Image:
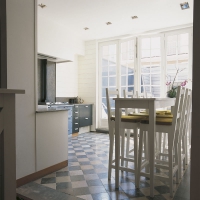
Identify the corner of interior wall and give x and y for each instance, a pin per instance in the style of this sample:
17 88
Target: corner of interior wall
97 84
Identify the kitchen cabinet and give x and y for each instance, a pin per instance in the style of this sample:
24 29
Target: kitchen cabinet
70 118
85 115
82 116
75 125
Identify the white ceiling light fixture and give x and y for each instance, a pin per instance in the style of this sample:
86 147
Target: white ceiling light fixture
184 5
86 28
134 17
42 5
108 23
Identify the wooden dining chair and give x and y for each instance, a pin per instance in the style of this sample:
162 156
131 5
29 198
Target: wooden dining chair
183 136
170 125
127 122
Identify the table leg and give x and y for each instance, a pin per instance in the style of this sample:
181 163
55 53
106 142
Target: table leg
152 118
117 142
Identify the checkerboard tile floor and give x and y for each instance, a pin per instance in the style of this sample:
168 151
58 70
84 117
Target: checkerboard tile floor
86 176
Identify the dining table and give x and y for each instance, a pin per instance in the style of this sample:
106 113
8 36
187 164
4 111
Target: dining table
151 104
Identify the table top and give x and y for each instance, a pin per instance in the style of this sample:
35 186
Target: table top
144 99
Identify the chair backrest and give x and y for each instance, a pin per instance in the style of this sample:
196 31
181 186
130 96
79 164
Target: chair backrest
187 111
149 95
178 107
109 95
181 109
143 95
130 94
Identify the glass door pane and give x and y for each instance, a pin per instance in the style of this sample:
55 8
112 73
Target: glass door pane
108 75
127 65
177 58
150 63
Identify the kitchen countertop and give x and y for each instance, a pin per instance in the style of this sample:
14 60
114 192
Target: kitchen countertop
42 110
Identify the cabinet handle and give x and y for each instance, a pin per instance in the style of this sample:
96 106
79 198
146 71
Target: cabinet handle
75 123
86 118
86 106
76 117
75 112
76 128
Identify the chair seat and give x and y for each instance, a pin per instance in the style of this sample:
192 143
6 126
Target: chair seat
147 115
159 120
130 118
160 112
163 112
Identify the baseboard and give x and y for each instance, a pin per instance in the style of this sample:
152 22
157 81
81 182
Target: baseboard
102 130
41 173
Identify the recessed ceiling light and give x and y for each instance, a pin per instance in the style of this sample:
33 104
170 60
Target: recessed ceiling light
86 28
108 23
184 5
42 5
134 17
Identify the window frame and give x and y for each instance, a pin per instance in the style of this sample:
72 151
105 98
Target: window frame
103 123
139 58
190 35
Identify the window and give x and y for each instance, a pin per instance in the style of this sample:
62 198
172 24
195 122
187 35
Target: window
116 66
108 74
150 65
177 57
127 65
143 64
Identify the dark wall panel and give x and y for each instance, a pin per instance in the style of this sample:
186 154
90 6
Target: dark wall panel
50 81
3 45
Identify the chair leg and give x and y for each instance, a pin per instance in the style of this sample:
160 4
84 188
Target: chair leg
137 185
164 142
176 162
186 150
170 151
122 146
146 150
110 154
136 152
127 145
179 160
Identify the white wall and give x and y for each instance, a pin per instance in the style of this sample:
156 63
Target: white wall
67 79
21 63
56 40
51 138
87 76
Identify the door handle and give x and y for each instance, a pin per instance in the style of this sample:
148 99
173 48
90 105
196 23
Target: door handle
86 118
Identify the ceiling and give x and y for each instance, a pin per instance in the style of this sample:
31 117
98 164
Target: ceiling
75 15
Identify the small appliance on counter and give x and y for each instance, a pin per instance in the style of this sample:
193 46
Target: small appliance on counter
76 100
72 101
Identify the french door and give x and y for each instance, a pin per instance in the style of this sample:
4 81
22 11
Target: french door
117 69
143 64
150 64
